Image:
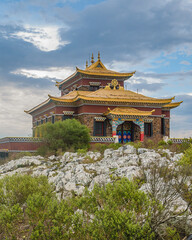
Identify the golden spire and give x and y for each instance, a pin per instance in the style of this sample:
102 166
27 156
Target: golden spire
99 56
86 64
92 59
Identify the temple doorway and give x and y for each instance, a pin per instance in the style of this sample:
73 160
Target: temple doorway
125 132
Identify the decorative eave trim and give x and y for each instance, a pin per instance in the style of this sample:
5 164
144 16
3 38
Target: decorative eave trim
99 119
171 105
58 84
158 101
68 112
38 106
106 74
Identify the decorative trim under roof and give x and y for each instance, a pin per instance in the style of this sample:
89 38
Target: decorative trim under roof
94 83
100 119
172 105
127 111
68 112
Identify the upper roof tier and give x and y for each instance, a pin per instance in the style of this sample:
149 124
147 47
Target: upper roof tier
97 69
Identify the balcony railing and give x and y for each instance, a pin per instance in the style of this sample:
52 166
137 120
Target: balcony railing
102 139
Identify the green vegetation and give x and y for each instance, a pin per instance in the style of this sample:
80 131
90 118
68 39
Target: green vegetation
64 135
101 147
29 209
187 158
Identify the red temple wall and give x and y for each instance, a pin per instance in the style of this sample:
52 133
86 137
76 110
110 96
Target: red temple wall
20 146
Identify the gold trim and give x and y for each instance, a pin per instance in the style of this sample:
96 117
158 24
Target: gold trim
172 105
128 111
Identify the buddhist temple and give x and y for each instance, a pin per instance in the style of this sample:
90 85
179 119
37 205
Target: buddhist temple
97 98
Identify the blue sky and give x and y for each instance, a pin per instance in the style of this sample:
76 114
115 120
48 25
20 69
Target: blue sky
42 41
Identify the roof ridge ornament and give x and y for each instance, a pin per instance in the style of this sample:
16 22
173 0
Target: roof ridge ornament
99 56
92 59
114 85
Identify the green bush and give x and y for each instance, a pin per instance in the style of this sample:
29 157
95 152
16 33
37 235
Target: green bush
116 211
14 194
162 143
100 147
187 158
16 189
64 135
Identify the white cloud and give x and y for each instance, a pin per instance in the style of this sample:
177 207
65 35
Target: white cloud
185 63
53 72
13 101
181 126
45 38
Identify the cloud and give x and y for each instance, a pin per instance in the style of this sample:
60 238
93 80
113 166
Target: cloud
129 36
44 38
181 124
185 63
48 73
13 101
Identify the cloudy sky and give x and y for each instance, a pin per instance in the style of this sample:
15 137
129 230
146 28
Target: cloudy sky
42 41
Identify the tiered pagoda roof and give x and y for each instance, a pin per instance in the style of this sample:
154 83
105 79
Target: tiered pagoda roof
97 69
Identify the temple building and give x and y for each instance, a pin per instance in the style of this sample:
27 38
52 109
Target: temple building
97 98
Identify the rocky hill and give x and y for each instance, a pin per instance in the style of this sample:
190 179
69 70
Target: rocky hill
157 173
74 172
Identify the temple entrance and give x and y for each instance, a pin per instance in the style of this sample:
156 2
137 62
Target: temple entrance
125 132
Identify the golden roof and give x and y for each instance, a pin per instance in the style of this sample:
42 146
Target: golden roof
112 95
128 111
172 105
97 69
108 95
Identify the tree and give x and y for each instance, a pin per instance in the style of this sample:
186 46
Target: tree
68 134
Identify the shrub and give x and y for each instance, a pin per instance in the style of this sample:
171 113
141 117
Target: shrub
100 147
187 158
64 135
162 143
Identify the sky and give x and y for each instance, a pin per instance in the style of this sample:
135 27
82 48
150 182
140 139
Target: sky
42 41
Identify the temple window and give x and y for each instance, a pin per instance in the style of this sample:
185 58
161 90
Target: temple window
148 129
64 117
67 115
99 128
37 123
53 119
162 126
46 119
93 88
41 121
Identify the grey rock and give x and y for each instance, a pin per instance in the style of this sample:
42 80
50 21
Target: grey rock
128 149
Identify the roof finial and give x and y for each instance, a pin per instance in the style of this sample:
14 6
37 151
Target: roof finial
92 59
99 56
86 64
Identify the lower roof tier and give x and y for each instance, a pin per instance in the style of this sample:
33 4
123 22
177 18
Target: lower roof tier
108 96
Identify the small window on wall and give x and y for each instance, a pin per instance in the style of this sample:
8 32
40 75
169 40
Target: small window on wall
67 117
53 119
99 128
37 123
93 88
46 120
162 126
148 129
41 121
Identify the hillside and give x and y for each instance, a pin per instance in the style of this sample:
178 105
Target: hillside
156 172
